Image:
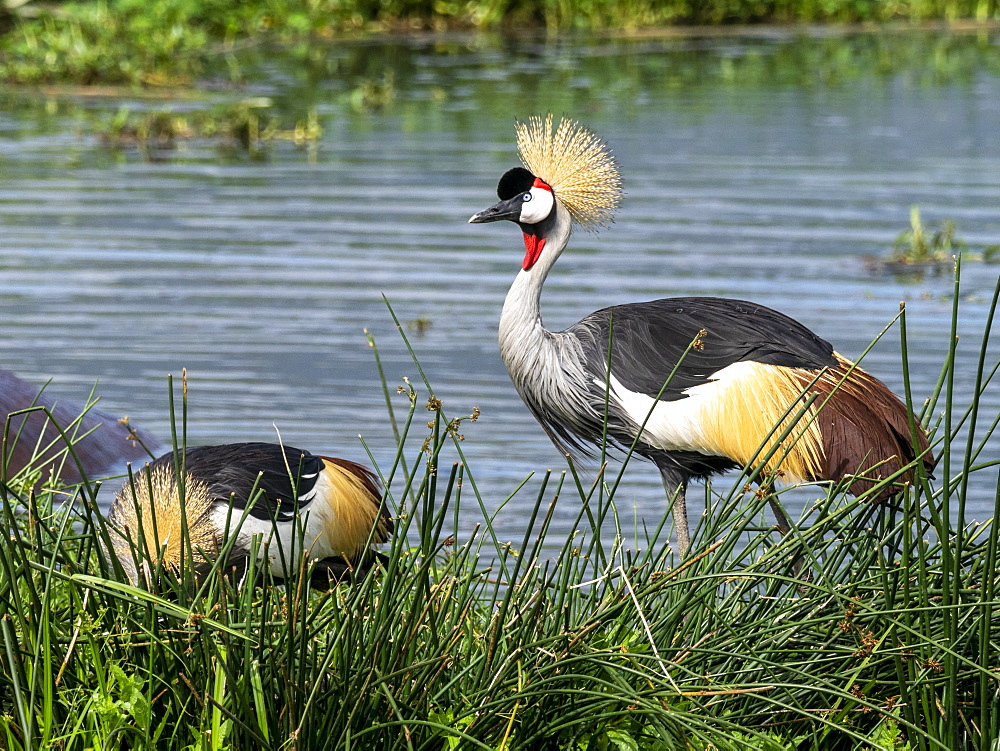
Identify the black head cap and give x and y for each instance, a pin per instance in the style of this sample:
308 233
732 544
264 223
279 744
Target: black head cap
514 182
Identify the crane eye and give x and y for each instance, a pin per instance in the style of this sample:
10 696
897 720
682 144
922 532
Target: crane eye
536 204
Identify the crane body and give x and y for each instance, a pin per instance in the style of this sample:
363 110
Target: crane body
227 493
297 503
698 385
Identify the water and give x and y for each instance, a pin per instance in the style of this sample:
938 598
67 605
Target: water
763 167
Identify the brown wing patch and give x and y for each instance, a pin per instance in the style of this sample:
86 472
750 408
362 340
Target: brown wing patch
865 428
356 503
855 425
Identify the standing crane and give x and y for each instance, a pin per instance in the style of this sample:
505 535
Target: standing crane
698 385
229 493
102 445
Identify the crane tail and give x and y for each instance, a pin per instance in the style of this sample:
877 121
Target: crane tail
865 430
357 504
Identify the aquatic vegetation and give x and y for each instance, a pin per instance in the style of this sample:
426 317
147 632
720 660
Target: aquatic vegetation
320 80
105 42
249 124
921 249
371 95
919 246
596 639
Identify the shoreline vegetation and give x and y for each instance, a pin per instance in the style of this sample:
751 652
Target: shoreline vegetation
165 77
167 42
599 641
230 103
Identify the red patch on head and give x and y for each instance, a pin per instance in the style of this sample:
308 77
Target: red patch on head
533 245
539 184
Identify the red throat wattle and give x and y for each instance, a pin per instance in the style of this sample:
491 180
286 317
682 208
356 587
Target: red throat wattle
533 245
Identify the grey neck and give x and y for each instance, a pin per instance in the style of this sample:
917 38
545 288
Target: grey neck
521 319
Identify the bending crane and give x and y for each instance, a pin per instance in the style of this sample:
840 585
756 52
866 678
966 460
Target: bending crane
300 504
335 504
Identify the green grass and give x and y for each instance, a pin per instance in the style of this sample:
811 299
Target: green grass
587 641
174 42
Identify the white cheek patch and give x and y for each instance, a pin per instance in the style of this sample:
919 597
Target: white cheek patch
538 208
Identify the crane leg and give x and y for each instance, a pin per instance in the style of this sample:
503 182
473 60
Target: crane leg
676 484
784 526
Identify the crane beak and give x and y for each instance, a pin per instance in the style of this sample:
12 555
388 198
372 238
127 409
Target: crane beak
509 209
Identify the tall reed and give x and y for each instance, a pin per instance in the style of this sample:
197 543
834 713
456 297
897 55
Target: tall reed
587 641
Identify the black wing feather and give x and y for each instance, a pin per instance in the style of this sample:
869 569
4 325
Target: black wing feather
650 338
231 472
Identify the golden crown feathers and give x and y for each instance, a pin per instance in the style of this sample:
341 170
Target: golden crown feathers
577 164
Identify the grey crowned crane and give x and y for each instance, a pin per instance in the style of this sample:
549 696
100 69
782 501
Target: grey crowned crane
102 444
300 504
692 410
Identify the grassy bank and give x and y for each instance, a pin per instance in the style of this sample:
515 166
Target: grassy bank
585 642
174 42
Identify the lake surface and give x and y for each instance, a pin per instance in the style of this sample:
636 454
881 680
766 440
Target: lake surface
764 167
